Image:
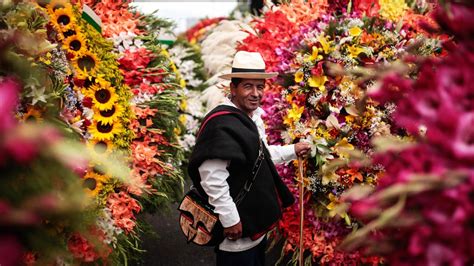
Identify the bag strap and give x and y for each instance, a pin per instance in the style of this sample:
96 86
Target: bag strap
209 118
256 167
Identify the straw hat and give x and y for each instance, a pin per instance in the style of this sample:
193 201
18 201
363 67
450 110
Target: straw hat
248 65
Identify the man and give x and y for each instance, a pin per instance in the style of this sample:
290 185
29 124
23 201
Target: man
223 159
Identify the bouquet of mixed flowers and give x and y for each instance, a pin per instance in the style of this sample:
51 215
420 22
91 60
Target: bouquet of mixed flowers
422 210
326 107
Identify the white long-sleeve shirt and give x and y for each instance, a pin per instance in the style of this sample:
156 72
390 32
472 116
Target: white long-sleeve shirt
214 176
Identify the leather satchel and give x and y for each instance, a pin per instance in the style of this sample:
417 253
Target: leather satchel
198 222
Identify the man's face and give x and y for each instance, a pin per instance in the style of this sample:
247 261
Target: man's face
248 94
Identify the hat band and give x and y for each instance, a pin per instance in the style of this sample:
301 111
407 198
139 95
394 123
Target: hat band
243 70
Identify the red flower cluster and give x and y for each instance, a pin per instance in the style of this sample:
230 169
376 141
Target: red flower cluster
122 207
273 30
195 34
83 250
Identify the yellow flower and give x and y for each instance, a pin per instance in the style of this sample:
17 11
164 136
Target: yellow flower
355 31
317 82
101 131
354 51
315 54
108 116
100 147
93 183
294 114
103 97
182 83
86 63
75 44
183 105
392 9
299 76
343 147
32 115
182 119
326 45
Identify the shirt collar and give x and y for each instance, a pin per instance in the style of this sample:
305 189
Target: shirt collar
257 113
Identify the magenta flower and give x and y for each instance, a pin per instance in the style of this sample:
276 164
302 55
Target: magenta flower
9 90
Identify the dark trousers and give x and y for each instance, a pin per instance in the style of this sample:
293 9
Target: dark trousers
252 257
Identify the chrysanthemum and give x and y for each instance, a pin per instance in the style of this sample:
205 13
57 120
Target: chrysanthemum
102 131
75 44
86 63
103 96
100 147
108 116
32 115
93 183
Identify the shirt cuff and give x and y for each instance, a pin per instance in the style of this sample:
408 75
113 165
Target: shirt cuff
230 219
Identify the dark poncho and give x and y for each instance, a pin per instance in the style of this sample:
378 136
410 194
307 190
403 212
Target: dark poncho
234 137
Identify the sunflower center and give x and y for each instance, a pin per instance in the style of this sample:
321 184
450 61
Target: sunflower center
31 118
100 147
86 62
104 128
69 33
108 113
102 95
64 19
90 183
75 45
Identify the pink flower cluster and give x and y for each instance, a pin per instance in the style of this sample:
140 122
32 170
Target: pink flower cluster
435 225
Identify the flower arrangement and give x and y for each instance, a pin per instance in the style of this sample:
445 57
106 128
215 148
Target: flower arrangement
44 209
191 70
155 85
424 200
326 107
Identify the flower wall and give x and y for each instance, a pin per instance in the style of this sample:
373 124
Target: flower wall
424 200
318 48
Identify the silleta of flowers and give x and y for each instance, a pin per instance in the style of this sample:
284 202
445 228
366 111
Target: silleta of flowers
425 199
322 105
191 69
155 85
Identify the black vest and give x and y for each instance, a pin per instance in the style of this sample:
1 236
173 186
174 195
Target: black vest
234 137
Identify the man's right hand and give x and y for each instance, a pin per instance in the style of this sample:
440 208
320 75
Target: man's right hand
234 232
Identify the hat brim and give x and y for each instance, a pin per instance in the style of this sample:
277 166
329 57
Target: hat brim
249 75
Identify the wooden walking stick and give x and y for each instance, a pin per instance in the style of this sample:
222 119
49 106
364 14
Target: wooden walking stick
301 203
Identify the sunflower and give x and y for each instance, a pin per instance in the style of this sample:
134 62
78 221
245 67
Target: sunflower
32 115
108 116
103 97
100 147
63 18
85 64
102 131
75 44
93 183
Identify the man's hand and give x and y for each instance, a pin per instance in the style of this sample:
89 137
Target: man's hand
234 232
302 149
